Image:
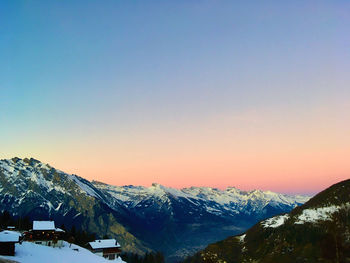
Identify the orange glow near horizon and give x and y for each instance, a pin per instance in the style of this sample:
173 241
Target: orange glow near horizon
304 156
181 93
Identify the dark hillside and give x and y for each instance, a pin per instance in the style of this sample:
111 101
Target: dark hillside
318 231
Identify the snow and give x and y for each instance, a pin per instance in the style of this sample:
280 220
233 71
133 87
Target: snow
216 201
77 215
7 167
275 221
59 206
34 172
104 243
200 200
241 238
9 236
28 252
44 225
316 214
12 169
83 186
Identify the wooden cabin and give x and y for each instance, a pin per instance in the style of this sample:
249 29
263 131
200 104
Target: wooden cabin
8 239
107 248
45 233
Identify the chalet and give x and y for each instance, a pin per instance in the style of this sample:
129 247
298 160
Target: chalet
107 248
8 239
45 233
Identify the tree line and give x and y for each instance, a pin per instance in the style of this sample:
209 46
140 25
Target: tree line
21 223
151 257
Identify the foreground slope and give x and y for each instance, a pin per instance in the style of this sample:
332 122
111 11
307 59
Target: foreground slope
318 231
28 252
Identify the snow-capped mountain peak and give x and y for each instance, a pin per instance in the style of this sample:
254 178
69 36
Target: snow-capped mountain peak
43 175
228 201
194 216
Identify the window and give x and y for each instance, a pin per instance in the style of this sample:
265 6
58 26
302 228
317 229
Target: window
38 242
111 256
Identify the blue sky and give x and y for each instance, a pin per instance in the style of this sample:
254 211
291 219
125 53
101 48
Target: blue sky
74 73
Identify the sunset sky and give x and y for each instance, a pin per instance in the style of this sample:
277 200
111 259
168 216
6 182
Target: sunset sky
251 94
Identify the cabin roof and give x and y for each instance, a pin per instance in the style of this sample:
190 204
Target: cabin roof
44 225
9 236
104 243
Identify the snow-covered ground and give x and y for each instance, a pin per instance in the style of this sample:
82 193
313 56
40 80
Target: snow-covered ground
28 252
241 238
319 214
275 221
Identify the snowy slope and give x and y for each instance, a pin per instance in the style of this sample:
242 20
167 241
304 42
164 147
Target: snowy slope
28 252
275 221
36 172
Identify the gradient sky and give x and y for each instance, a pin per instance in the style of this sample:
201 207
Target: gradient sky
252 94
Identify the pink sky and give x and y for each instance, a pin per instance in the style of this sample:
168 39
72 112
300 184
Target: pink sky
183 93
304 154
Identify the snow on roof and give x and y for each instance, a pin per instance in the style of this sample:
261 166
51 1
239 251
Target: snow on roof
44 225
104 243
9 236
59 230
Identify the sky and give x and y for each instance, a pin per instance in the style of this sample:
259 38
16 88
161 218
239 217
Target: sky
250 94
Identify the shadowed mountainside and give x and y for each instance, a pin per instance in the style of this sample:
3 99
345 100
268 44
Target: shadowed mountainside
318 231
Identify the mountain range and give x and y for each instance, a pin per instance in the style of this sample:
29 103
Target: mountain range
177 222
318 231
